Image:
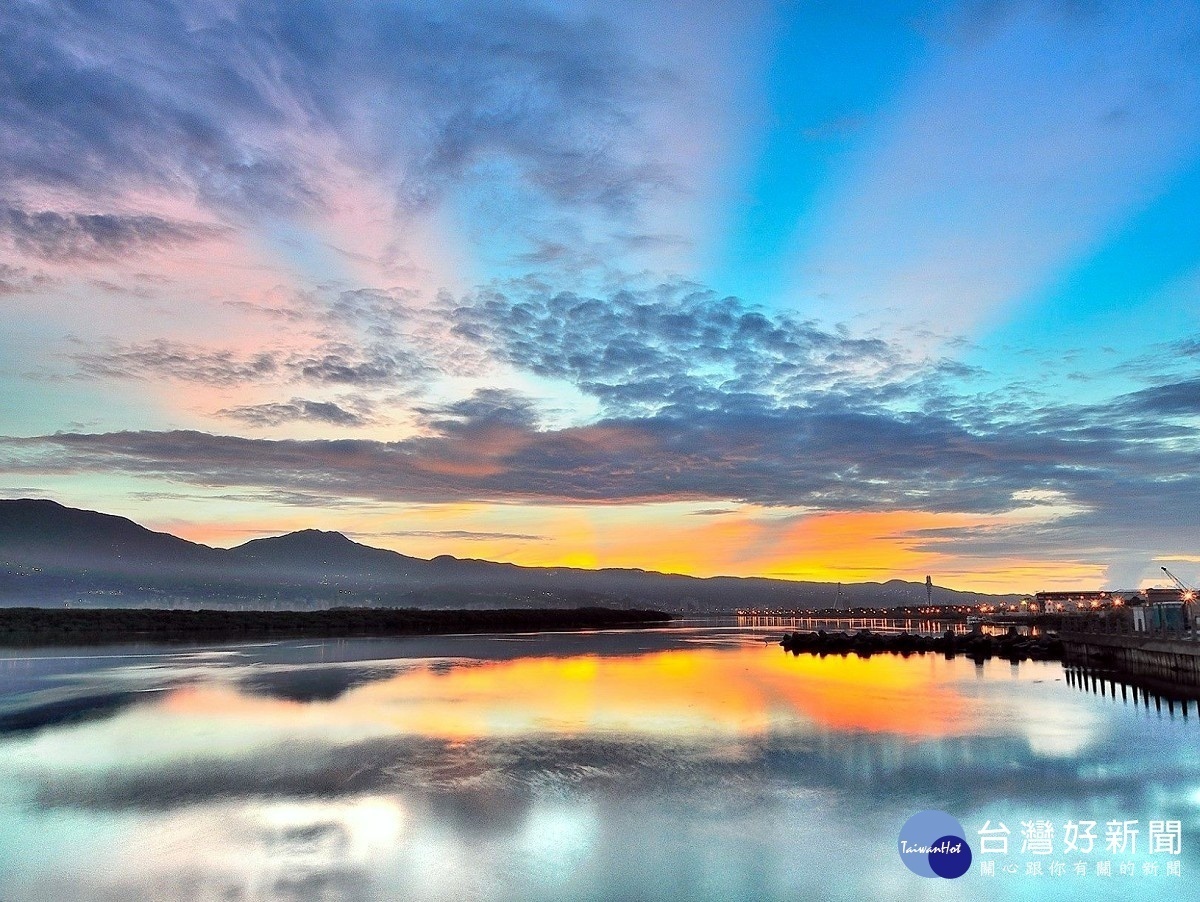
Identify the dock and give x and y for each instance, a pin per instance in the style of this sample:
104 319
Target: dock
1162 653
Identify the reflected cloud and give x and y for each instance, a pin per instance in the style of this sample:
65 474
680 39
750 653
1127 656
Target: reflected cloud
684 693
310 684
717 767
71 709
1058 730
304 834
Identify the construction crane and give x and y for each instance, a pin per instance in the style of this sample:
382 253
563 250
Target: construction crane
1188 593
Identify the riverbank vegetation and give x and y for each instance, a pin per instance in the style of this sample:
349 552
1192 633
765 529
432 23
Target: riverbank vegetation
49 626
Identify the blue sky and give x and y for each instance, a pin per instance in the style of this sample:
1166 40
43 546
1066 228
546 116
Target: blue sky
821 290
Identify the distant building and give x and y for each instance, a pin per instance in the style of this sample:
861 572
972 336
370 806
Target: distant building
1170 614
1163 596
1158 608
1079 599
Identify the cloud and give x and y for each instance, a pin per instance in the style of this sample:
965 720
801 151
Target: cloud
703 398
486 407
381 313
748 408
677 346
333 363
1176 398
469 535
257 497
19 280
176 110
244 108
1188 347
341 363
828 458
57 236
135 291
298 409
272 311
175 360
548 122
672 349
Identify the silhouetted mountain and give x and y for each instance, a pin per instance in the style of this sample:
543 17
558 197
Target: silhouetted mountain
330 553
51 535
51 554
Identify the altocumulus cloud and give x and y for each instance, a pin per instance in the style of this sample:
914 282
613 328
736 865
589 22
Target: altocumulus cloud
297 409
676 346
175 360
335 363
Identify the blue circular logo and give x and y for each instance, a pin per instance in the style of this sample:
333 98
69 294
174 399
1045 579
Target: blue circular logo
933 844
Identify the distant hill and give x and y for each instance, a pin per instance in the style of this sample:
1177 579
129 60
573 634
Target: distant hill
329 554
52 535
51 554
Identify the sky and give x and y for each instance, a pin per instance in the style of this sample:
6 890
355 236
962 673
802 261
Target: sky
814 290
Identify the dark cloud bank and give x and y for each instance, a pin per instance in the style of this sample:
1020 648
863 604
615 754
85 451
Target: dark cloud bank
705 398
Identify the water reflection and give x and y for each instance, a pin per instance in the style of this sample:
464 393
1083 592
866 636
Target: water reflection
682 764
1164 696
925 626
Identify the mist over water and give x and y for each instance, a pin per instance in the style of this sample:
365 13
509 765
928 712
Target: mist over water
695 762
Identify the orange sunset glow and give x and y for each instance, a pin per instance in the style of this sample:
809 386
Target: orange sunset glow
694 692
745 540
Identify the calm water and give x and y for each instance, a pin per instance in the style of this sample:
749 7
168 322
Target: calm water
690 763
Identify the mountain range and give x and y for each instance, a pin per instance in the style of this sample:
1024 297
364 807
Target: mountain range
51 554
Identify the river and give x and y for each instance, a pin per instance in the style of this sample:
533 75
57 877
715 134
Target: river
692 762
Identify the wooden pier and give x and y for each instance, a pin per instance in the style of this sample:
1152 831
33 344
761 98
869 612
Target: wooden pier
1166 696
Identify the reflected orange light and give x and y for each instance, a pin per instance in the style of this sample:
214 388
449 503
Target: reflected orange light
740 692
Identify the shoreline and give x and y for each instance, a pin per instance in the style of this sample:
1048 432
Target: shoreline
977 645
30 626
